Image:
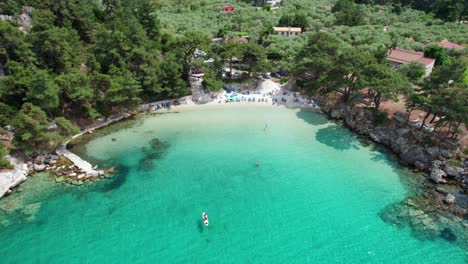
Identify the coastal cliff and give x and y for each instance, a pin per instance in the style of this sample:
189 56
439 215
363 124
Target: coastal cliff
414 147
439 207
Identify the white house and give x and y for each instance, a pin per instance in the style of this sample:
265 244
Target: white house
272 2
288 31
396 57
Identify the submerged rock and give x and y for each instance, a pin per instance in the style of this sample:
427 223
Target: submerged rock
448 235
449 199
157 144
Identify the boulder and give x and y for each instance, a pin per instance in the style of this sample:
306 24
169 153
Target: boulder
337 113
73 174
39 159
449 199
433 152
437 164
437 176
39 167
419 165
413 154
454 171
10 179
402 131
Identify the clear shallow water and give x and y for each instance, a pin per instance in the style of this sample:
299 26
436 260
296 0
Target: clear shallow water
315 198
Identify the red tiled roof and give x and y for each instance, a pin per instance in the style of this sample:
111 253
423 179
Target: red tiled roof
405 56
450 45
228 8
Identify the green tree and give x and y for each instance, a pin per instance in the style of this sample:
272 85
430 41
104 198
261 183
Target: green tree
187 45
14 86
449 10
348 13
171 83
315 61
228 51
6 114
385 83
57 48
348 70
14 45
438 53
436 93
414 70
253 55
76 94
211 82
43 91
299 19
124 90
31 130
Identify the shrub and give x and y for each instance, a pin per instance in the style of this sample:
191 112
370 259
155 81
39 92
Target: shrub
3 162
429 141
453 162
381 117
284 80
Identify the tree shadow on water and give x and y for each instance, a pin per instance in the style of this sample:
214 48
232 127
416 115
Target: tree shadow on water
336 137
312 117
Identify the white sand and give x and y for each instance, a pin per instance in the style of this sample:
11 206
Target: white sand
268 91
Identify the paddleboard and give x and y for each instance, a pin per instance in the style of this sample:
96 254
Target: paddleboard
205 218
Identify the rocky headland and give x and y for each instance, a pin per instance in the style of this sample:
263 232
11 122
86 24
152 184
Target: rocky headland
438 207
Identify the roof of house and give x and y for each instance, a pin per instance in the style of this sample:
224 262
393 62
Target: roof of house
287 29
327 7
404 56
450 45
228 8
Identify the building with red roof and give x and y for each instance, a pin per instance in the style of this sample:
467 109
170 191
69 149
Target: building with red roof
450 45
396 57
228 8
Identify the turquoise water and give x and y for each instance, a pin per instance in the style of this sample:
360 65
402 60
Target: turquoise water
315 197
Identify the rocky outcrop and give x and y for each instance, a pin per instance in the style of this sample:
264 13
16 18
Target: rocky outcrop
438 175
84 166
414 147
454 171
12 178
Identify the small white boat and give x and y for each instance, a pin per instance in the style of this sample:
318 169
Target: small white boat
205 219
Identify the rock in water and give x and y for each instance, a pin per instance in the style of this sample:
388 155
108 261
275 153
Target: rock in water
448 235
449 199
156 144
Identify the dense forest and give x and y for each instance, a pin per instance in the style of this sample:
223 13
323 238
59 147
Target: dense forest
80 60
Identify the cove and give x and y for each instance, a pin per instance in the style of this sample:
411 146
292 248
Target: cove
315 198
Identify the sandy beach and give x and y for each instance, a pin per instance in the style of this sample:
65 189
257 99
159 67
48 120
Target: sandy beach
268 93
